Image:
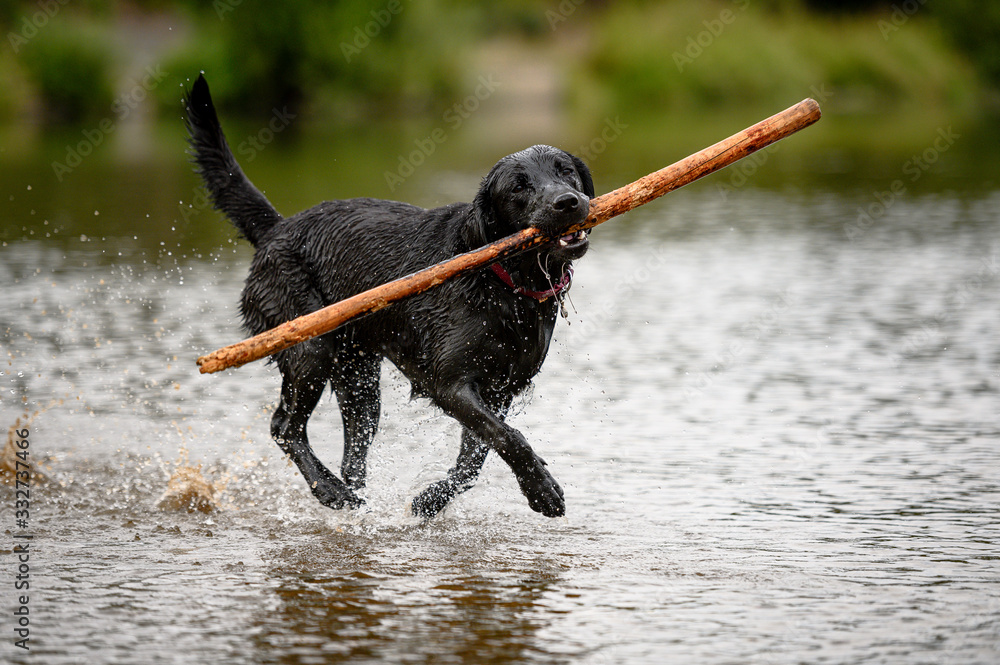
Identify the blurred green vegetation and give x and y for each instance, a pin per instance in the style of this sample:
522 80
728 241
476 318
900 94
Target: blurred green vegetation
70 70
347 56
737 53
974 29
353 60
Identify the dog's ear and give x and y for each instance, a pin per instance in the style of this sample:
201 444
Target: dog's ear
474 233
585 177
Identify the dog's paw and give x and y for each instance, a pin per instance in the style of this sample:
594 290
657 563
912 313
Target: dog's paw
432 500
335 495
541 489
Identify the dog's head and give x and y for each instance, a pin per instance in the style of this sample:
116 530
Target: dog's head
542 187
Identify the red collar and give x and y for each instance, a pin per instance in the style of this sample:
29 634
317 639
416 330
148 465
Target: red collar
540 296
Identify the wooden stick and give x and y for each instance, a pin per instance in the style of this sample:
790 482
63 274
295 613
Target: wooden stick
602 208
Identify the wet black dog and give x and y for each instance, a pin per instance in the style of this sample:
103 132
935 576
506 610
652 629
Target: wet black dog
470 345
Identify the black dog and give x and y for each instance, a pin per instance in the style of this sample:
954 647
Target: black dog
470 345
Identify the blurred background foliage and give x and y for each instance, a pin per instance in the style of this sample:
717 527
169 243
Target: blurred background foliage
355 60
755 56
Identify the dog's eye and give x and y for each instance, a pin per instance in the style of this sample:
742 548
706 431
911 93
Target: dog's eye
566 170
518 188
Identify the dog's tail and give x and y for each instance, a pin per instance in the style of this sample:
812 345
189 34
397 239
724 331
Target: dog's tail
231 191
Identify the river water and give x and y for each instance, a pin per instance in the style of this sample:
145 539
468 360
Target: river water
775 421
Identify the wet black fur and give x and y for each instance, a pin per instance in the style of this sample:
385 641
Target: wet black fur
470 345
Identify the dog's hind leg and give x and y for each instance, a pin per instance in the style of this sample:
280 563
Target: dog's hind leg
356 384
303 380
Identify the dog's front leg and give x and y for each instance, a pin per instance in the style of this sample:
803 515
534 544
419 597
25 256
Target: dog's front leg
465 405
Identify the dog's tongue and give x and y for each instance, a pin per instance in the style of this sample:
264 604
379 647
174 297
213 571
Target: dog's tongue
572 237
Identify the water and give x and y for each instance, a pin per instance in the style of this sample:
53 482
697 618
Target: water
778 444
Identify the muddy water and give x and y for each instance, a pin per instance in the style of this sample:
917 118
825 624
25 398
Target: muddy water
778 445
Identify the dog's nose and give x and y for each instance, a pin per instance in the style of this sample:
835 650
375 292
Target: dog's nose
567 202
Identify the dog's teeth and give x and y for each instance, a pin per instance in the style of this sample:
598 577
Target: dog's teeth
563 242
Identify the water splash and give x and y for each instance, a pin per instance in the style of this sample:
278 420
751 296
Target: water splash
188 490
9 458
